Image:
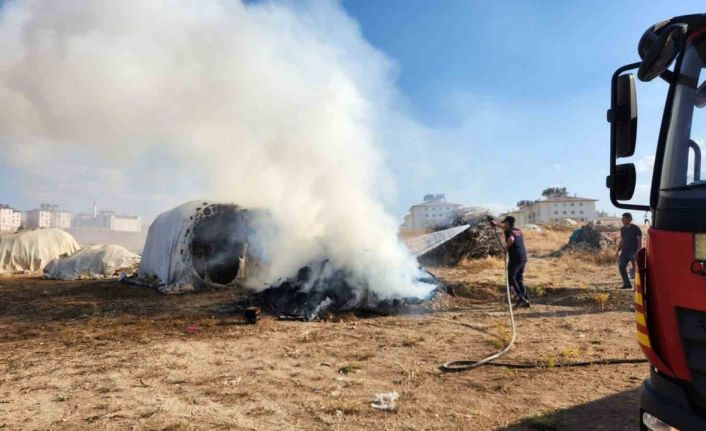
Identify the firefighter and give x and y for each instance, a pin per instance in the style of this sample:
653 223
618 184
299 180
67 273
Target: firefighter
630 243
517 259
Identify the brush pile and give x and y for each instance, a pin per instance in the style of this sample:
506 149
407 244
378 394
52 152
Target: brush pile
476 242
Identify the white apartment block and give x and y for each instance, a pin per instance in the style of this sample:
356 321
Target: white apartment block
553 209
122 223
432 212
10 218
48 216
108 220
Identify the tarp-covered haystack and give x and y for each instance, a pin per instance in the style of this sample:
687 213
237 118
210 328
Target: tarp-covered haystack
94 261
196 245
32 250
586 238
467 236
589 237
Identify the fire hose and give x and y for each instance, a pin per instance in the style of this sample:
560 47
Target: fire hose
469 364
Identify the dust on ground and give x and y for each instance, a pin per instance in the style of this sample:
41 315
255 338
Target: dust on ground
101 355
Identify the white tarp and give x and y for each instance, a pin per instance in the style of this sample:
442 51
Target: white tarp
168 259
93 261
32 250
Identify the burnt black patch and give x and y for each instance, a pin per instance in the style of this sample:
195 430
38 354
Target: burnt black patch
218 242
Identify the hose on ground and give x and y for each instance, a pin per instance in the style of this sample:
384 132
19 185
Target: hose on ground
465 364
457 366
469 364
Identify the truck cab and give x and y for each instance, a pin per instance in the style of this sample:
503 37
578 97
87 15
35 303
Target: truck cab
670 286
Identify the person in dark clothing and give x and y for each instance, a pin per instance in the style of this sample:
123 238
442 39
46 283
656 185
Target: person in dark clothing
517 259
630 243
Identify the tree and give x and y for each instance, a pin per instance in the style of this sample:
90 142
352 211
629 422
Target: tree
555 191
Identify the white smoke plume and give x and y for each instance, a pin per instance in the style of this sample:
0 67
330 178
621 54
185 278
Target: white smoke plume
270 105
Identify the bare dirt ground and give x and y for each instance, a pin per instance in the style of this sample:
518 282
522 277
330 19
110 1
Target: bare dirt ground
101 355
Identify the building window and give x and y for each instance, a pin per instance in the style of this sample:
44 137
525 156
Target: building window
581 211
564 212
573 212
572 204
556 212
580 204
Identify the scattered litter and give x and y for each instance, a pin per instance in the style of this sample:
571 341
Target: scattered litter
385 401
192 329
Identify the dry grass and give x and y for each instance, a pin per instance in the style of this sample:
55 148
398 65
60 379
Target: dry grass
578 269
547 241
122 358
604 257
487 264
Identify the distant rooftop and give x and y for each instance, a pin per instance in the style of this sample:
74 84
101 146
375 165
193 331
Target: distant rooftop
567 199
437 204
433 200
438 197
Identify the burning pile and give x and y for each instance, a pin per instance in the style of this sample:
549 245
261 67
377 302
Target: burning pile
322 289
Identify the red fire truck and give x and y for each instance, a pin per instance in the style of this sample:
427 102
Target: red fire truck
670 285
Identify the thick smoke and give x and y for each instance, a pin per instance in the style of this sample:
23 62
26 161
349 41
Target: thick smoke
268 105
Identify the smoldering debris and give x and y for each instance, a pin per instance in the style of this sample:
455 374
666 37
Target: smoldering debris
321 289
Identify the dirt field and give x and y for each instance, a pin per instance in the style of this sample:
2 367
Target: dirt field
100 355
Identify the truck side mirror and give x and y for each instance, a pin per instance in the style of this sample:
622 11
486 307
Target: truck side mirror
622 116
622 183
658 48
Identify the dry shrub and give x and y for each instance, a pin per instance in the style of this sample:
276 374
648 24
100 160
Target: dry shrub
545 241
601 299
598 257
535 290
482 264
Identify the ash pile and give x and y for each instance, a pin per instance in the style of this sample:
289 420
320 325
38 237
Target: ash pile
321 289
468 235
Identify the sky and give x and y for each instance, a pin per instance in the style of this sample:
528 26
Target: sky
520 88
493 102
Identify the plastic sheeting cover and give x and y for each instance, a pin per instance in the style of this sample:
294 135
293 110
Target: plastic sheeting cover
94 261
195 243
32 250
423 244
